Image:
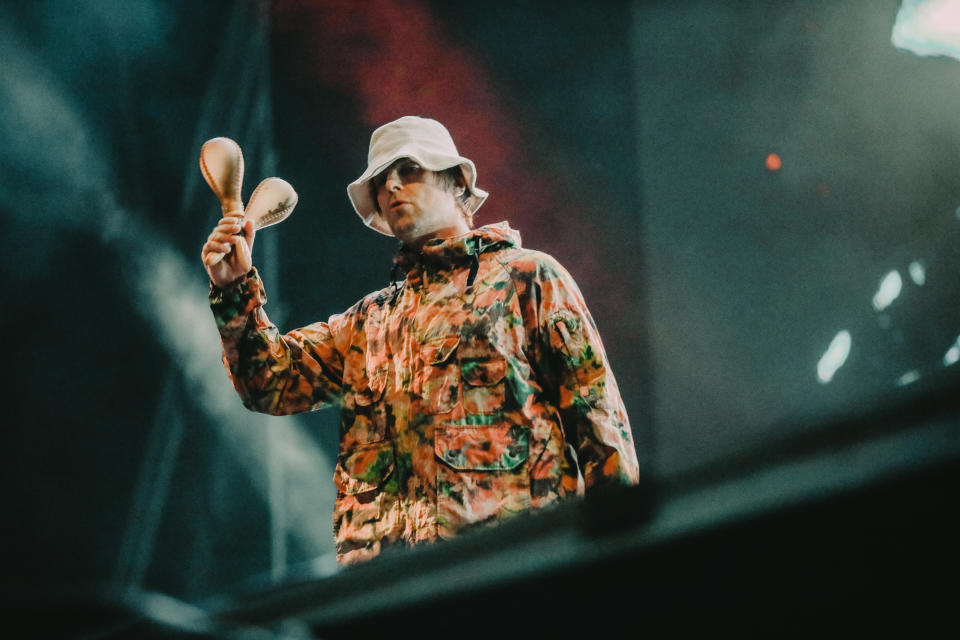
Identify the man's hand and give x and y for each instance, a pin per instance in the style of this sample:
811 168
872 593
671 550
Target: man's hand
224 239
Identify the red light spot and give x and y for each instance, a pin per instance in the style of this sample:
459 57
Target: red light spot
774 162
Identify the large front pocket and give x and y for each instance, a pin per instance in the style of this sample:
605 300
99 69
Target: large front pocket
439 375
363 469
482 474
360 477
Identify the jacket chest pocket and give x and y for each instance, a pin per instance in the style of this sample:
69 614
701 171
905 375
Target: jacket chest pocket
483 385
366 371
439 376
363 415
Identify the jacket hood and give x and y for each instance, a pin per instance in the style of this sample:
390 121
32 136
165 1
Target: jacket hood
445 251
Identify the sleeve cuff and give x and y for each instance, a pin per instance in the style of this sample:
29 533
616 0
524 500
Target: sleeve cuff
237 298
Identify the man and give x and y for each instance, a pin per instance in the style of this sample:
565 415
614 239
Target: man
474 388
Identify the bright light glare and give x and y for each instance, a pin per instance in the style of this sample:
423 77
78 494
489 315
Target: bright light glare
889 289
917 273
907 378
952 354
834 357
928 27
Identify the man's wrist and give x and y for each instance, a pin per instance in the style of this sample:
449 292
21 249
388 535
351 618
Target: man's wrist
214 287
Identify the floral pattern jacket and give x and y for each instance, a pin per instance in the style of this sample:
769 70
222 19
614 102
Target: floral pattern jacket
474 389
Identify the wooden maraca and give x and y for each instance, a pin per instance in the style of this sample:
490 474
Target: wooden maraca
221 163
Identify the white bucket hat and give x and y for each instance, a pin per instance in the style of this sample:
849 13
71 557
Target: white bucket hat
421 139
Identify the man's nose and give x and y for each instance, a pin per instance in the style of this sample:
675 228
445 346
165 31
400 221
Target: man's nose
392 183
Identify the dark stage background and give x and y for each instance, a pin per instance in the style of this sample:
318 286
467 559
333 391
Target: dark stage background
760 201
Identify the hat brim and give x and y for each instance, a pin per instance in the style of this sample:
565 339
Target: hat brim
365 206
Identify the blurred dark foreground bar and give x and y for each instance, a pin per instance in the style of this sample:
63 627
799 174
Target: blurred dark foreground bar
850 526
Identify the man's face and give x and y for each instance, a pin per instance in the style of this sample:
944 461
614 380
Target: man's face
415 205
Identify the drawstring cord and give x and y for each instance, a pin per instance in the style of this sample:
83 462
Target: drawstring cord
393 280
475 260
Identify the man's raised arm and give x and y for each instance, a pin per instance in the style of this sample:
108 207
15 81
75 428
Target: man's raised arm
273 373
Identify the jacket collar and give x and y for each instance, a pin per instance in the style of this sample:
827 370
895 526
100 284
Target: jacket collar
443 252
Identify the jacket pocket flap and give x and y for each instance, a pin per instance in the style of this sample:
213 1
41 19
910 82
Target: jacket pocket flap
364 468
373 390
439 350
483 374
483 447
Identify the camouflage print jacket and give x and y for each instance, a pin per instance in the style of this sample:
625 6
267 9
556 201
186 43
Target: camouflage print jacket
475 389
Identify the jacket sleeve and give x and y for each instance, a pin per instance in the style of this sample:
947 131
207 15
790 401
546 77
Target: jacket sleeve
578 373
273 373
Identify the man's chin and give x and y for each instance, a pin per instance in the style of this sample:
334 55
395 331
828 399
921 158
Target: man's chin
406 232
401 223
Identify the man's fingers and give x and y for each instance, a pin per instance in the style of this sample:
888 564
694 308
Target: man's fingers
227 249
217 236
249 233
213 246
229 225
